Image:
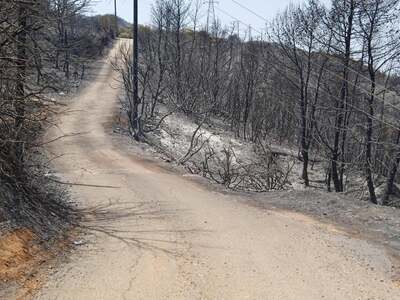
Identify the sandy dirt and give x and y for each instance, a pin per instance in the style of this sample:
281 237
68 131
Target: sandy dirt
20 260
159 235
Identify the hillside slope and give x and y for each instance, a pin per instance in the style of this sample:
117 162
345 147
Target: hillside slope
157 235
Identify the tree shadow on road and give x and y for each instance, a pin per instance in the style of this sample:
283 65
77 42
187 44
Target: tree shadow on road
138 225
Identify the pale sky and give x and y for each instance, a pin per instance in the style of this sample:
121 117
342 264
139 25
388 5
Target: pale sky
265 8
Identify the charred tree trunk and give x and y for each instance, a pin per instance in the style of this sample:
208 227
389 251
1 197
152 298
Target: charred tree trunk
340 135
304 142
368 137
392 174
20 84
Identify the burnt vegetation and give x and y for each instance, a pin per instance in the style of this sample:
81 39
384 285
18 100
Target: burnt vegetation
45 46
320 81
323 80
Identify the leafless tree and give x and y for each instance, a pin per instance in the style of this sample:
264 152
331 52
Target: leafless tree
319 82
381 38
28 50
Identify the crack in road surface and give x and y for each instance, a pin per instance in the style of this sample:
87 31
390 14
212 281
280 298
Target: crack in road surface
162 236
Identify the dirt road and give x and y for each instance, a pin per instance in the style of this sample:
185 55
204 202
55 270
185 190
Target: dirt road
163 236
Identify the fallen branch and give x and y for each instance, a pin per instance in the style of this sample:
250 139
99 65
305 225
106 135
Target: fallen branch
85 185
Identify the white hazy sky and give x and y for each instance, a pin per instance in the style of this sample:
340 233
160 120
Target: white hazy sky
265 8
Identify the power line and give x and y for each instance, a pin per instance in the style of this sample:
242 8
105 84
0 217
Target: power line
339 62
238 20
250 10
340 77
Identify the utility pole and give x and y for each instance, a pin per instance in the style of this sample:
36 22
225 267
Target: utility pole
115 18
135 60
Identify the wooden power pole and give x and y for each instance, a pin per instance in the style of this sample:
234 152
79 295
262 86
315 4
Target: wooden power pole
135 61
135 51
115 18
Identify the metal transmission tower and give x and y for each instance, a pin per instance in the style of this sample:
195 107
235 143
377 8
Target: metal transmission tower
236 25
210 11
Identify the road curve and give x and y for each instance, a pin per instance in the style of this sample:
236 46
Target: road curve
158 235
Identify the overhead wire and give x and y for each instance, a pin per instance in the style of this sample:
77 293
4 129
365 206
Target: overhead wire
335 97
339 62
